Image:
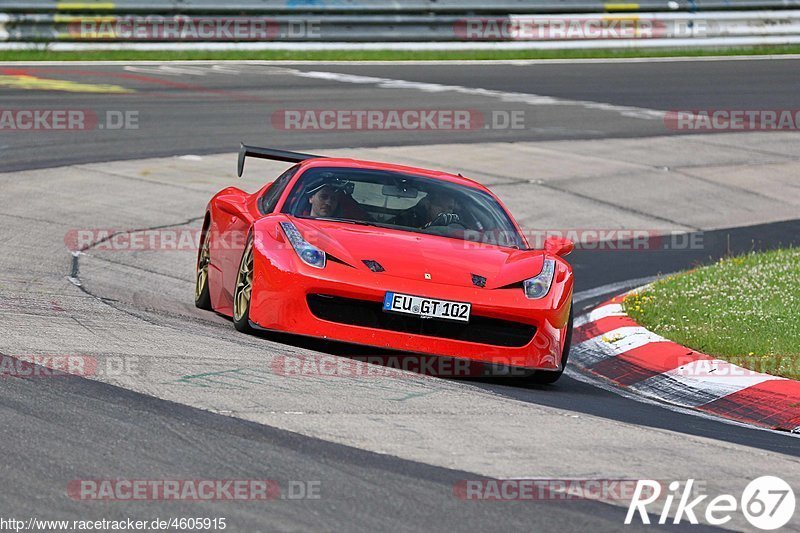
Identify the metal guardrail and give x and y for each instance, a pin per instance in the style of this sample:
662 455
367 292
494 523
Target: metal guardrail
400 28
386 21
277 7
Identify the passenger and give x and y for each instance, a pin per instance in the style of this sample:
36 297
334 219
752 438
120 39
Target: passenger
437 207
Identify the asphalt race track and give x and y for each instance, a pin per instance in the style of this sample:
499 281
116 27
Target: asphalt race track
386 452
226 104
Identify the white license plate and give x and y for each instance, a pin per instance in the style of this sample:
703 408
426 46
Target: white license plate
426 307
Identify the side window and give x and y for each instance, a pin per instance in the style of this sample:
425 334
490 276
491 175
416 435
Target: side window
273 194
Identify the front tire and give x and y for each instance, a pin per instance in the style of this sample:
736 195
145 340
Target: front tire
244 290
548 377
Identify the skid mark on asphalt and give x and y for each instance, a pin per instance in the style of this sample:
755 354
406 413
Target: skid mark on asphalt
31 304
247 378
207 380
136 267
414 395
75 279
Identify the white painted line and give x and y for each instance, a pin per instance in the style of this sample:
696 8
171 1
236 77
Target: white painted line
582 296
510 97
596 314
638 290
612 344
624 339
172 70
716 377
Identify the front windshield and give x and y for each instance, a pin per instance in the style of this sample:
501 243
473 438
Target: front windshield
403 202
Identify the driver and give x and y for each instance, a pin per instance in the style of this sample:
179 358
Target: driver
436 209
324 202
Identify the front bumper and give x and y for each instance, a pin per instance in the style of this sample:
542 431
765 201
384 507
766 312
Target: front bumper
287 293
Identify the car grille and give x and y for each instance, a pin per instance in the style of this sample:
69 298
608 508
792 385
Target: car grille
370 314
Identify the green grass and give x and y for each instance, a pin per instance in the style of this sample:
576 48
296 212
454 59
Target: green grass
381 55
745 310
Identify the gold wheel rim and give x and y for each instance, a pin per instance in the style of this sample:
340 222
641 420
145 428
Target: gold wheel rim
244 284
202 268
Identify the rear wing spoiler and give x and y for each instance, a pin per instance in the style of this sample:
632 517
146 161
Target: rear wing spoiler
246 151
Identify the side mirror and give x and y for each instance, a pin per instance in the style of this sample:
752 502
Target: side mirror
558 246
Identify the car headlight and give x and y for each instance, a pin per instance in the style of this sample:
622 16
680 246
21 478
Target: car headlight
538 287
308 253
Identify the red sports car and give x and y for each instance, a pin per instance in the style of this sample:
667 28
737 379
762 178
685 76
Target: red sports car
386 256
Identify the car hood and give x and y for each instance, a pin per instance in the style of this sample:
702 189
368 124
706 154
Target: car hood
411 255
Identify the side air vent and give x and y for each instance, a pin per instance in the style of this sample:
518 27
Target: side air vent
478 281
373 265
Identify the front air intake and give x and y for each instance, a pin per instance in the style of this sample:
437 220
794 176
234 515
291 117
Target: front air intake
483 330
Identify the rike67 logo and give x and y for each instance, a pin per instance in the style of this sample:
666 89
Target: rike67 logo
767 503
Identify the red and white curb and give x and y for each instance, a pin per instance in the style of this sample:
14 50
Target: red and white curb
609 344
